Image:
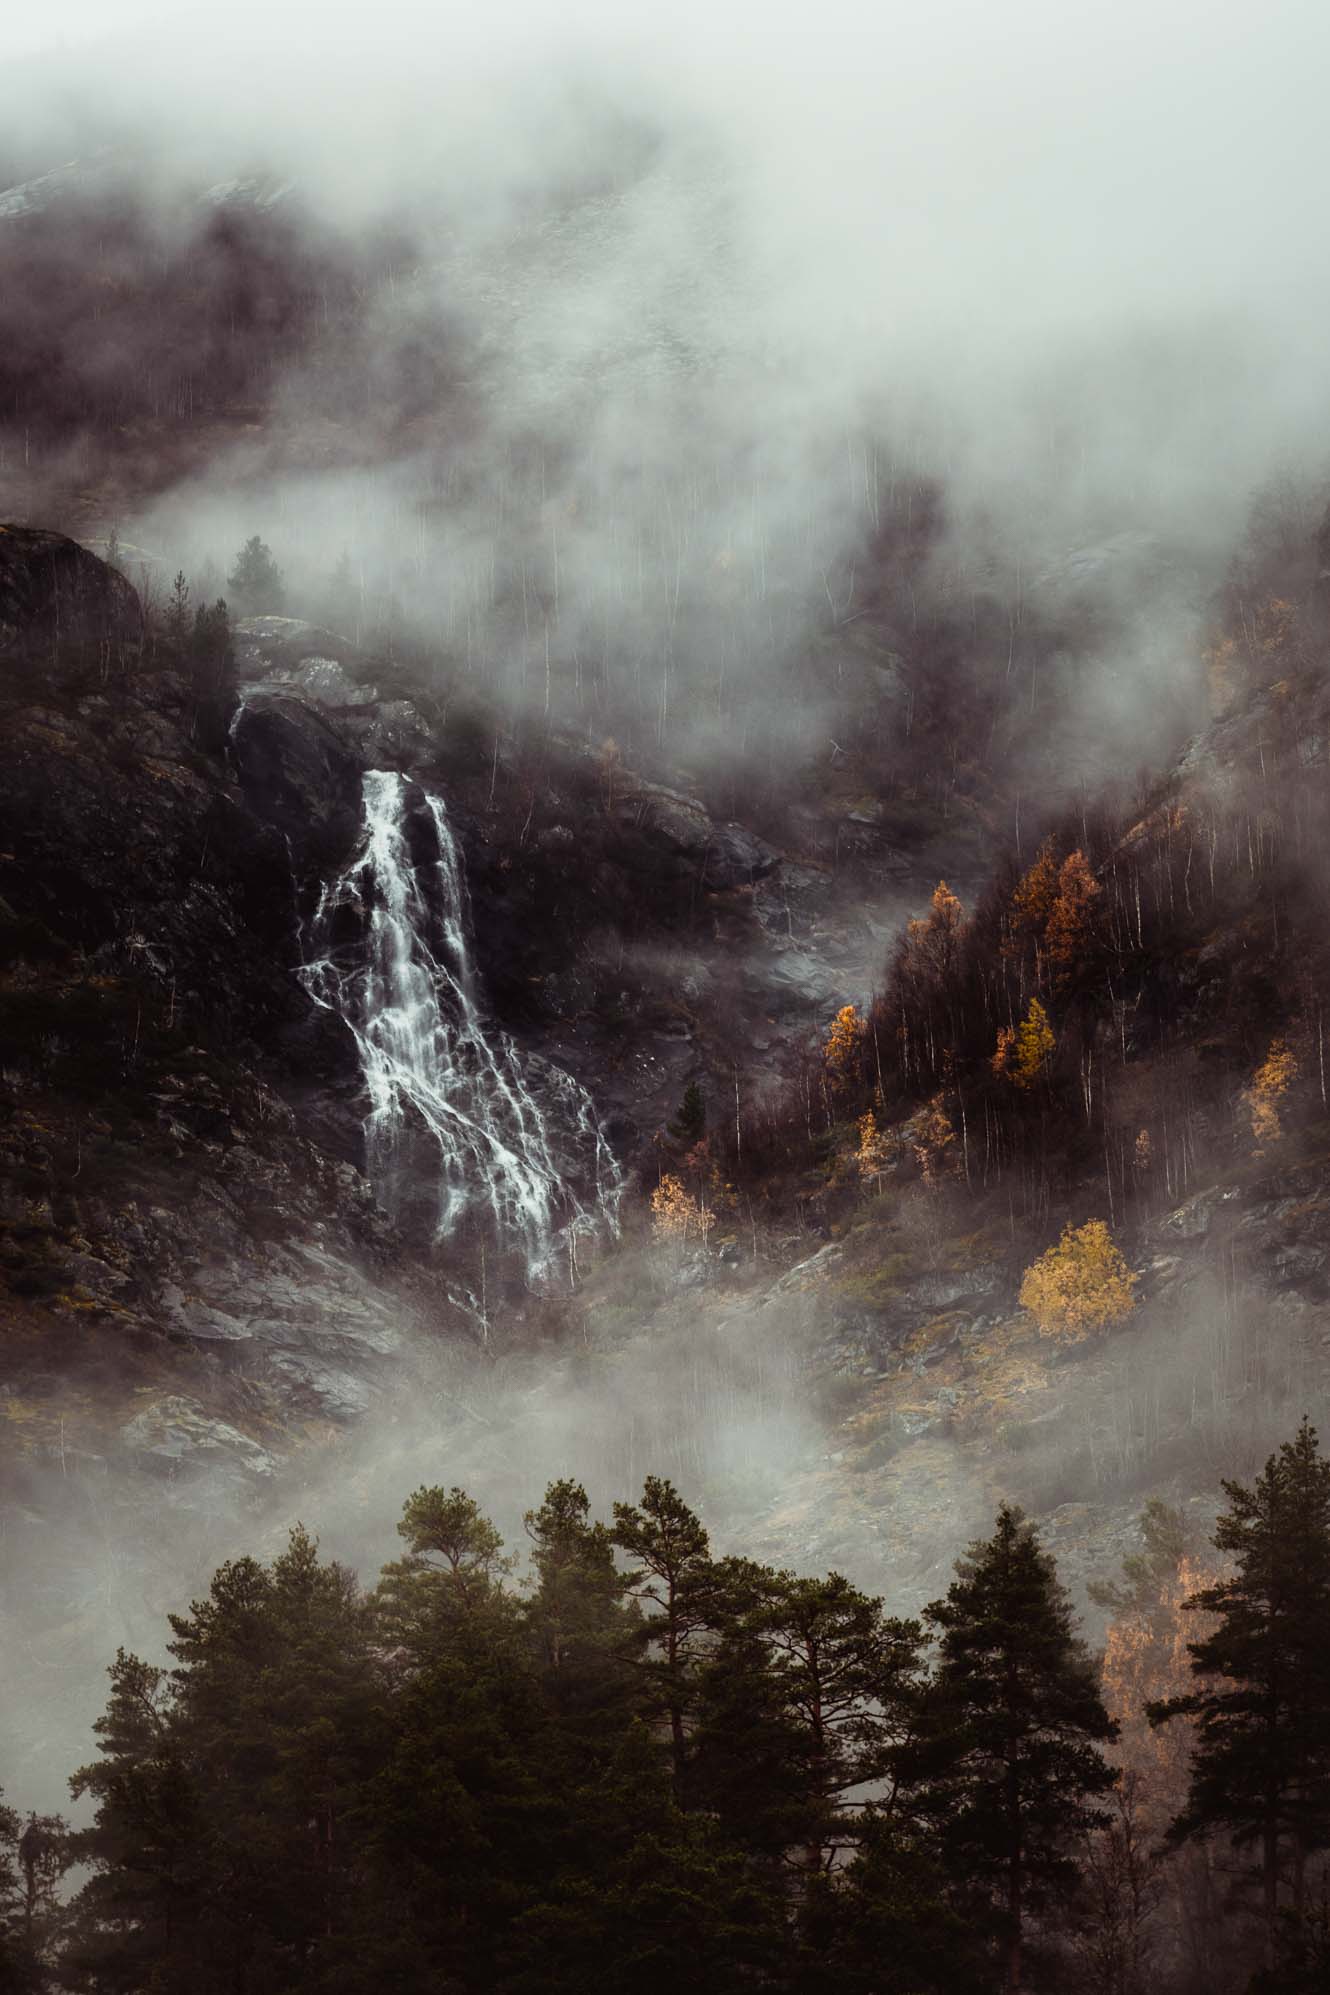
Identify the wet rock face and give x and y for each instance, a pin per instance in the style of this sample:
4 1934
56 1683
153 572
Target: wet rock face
667 832
298 774
166 1213
64 615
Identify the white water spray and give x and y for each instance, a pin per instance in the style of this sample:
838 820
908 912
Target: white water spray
515 1136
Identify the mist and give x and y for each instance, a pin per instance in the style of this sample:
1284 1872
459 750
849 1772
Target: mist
671 316
660 389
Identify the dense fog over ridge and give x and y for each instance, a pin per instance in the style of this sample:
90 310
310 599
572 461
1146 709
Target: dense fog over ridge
679 306
780 773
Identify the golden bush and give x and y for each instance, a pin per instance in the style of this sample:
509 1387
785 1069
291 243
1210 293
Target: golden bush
1082 1284
1022 1056
1269 1085
844 1044
675 1213
875 1150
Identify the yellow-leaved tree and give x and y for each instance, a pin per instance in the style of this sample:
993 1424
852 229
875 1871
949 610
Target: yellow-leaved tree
875 1149
1032 902
1082 1284
1073 918
933 1141
1022 1056
1269 1084
844 1047
934 941
675 1213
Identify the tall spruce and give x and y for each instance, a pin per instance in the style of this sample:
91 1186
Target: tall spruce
1012 1735
1261 1765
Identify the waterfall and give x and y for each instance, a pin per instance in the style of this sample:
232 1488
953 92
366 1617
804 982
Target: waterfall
508 1134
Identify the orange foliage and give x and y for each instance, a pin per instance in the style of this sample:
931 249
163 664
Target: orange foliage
1082 1284
675 1213
875 1148
844 1043
933 1140
1269 1085
1022 1057
1032 902
1146 1660
935 939
1072 918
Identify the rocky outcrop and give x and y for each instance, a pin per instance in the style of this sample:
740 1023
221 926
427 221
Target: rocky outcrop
180 1198
299 774
65 617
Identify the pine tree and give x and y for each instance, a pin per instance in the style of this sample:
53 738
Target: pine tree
20 1966
177 614
211 658
810 1694
577 1616
690 1123
453 1570
341 604
255 582
672 1575
44 1852
140 1919
1012 1733
1261 1764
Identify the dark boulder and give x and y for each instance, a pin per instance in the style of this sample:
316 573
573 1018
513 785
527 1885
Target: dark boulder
298 774
64 615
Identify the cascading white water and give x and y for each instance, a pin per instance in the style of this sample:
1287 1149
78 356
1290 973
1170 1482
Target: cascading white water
513 1134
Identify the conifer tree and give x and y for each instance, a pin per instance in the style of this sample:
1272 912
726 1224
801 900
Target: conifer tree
255 582
672 1576
814 1681
20 1969
1012 1733
577 1614
690 1123
453 1569
140 1919
177 614
1261 1764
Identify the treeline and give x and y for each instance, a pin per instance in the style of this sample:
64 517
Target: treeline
643 1764
1143 992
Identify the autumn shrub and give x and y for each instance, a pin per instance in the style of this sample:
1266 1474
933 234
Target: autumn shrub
1269 1085
1082 1284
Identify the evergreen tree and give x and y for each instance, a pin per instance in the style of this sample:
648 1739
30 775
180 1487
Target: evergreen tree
139 1919
44 1852
690 1123
212 669
672 1575
1261 1765
226 1850
341 603
1147 1574
255 582
887 1925
807 1703
453 1570
20 1969
177 614
577 1616
1012 1734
